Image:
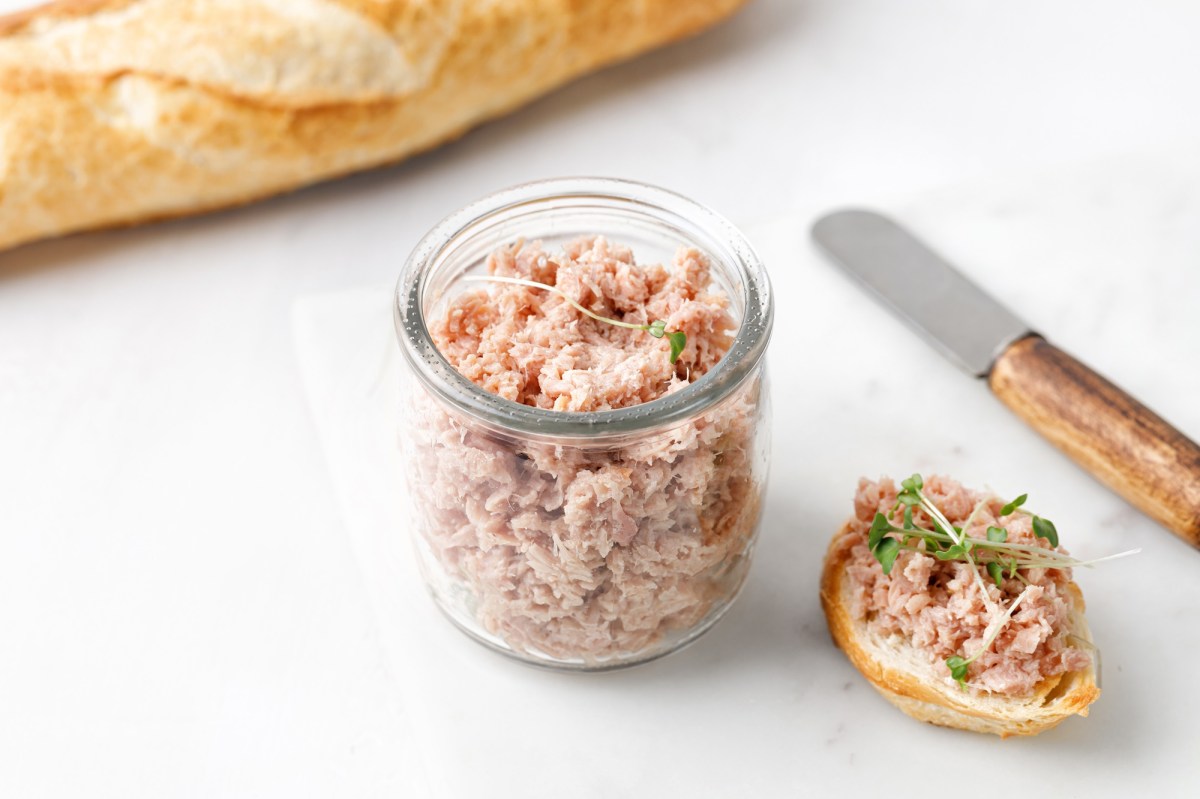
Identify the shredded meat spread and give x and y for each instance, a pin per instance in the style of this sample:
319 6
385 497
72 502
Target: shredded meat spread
531 346
937 604
587 552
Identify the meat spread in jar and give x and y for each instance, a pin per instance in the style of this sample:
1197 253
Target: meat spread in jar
565 551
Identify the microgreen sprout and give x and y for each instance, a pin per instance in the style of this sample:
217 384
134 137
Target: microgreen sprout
996 572
1012 506
886 552
1044 528
658 329
993 554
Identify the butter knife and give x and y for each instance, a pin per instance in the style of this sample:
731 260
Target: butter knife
1117 439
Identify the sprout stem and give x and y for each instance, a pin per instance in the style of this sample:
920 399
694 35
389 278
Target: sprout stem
997 625
937 515
677 339
533 284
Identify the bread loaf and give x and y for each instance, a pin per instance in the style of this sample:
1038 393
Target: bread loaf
114 112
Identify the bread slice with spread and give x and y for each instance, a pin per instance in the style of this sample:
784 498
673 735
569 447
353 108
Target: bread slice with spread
943 635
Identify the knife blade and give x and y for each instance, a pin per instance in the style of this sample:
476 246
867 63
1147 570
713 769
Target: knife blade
1117 439
932 297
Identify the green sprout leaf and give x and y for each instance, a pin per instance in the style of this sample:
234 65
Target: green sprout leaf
1044 528
951 553
678 341
914 483
677 338
997 534
996 572
879 528
886 553
958 670
908 519
1012 506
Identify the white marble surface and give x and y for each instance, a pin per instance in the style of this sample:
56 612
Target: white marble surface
180 604
764 704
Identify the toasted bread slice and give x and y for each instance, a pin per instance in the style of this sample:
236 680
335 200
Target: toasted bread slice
909 680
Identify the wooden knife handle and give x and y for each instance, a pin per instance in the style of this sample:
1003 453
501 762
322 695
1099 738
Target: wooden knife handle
1119 440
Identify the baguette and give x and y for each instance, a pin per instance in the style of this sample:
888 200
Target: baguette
115 112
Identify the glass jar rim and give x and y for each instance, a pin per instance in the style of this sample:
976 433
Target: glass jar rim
439 376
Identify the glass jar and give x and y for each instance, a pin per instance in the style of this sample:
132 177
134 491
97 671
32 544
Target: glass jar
512 506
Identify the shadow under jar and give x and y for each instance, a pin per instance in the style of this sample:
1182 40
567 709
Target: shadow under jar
521 515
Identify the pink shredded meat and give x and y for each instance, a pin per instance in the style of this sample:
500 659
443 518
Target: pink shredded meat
529 345
938 605
587 552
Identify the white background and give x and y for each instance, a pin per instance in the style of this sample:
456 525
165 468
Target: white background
180 610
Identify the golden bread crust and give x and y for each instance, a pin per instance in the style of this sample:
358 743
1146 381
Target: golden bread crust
121 111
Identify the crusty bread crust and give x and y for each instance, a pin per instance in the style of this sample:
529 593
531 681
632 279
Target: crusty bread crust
120 111
906 678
